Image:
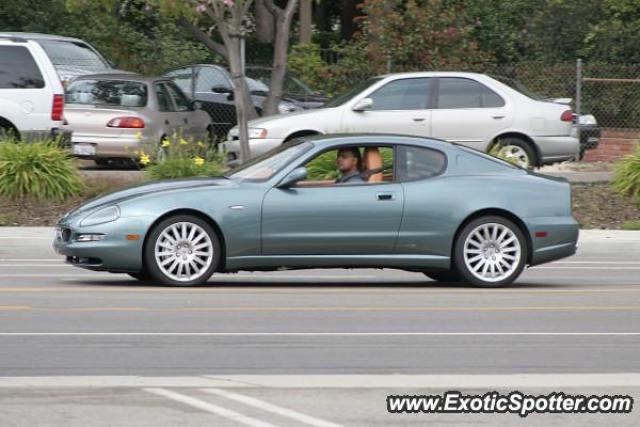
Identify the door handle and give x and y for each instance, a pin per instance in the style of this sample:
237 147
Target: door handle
418 119
166 122
186 121
385 196
498 116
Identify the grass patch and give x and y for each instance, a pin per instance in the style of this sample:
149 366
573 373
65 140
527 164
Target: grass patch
631 225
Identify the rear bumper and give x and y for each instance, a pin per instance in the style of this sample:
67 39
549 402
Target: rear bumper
106 147
62 135
560 241
557 148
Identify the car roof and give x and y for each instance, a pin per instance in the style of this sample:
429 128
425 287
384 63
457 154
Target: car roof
39 36
380 138
434 74
123 76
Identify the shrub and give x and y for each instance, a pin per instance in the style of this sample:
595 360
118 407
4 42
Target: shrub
626 175
180 158
38 170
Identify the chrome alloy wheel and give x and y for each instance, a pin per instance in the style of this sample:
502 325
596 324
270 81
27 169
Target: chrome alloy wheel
492 252
515 154
183 251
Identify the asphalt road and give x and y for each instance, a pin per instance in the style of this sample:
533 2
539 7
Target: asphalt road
328 345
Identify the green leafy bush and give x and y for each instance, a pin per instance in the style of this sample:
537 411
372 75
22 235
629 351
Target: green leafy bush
626 175
180 158
37 170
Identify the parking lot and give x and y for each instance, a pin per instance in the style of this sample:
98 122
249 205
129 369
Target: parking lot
328 345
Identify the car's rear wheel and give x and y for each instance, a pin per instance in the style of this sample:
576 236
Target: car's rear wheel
182 250
517 151
450 276
490 251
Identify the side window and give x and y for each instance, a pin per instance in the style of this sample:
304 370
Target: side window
19 70
162 96
351 165
405 94
466 93
179 100
183 78
419 163
210 77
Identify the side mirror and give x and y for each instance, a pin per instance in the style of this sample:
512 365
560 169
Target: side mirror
196 105
298 174
363 105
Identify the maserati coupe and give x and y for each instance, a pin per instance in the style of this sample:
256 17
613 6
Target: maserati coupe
416 204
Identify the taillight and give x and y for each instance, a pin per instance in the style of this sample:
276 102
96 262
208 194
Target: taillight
126 122
567 116
58 108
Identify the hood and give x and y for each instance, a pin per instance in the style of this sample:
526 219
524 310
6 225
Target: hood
147 188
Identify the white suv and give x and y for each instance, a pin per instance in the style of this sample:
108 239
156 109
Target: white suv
31 94
466 108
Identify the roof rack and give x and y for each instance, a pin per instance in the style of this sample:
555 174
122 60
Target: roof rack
14 39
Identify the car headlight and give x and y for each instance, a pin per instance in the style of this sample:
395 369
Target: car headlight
257 133
287 107
101 216
254 133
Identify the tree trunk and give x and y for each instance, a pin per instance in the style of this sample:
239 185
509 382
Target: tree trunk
305 21
283 28
349 12
265 26
240 93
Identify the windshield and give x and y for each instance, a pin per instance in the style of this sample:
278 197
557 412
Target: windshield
117 93
73 54
348 95
265 166
519 87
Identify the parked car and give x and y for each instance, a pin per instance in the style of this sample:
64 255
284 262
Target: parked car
446 210
466 108
294 90
71 57
590 132
114 115
213 87
31 95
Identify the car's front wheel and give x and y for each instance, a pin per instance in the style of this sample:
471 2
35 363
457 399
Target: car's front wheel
490 251
182 250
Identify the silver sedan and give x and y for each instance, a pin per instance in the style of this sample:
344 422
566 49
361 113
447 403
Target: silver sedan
114 116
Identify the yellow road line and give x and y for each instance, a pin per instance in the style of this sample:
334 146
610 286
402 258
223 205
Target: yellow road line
14 307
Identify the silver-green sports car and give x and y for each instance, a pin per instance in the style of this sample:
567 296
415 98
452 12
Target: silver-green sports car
372 201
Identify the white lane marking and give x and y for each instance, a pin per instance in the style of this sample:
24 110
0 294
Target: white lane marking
57 276
584 268
303 418
58 259
209 407
310 334
314 381
260 278
596 262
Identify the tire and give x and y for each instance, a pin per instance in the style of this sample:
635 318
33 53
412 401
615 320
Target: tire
182 235
450 276
489 244
519 150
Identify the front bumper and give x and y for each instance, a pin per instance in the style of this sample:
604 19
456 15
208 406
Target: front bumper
114 253
231 148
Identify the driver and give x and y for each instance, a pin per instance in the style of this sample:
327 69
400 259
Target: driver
349 162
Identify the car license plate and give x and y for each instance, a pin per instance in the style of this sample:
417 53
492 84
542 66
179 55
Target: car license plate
84 149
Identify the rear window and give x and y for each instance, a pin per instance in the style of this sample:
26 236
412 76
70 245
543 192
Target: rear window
74 54
18 70
117 93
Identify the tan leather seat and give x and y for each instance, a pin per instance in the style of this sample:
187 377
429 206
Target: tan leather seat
372 160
